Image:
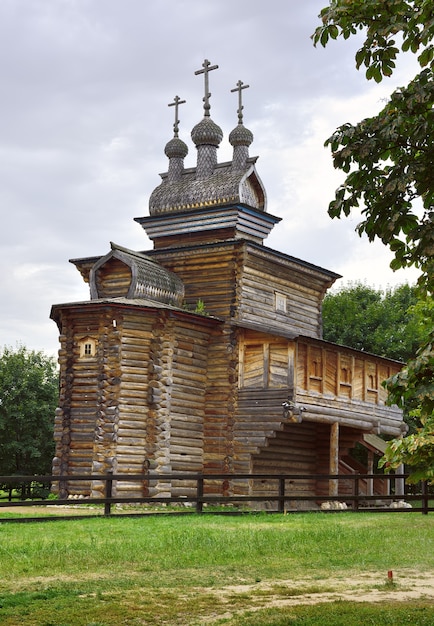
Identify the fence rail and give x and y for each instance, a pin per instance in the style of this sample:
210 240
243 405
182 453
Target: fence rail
284 494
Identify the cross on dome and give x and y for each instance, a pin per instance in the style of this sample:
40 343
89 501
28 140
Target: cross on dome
240 86
207 67
176 102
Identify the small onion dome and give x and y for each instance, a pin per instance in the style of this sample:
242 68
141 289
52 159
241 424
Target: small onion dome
207 133
240 136
176 148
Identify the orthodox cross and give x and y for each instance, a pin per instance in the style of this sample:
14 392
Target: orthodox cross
176 102
207 67
240 86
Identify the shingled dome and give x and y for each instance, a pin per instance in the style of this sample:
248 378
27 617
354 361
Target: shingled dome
240 136
176 148
207 132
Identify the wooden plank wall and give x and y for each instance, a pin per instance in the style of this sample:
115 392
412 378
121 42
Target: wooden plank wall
340 372
262 277
265 361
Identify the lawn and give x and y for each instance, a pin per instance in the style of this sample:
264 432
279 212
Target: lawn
253 570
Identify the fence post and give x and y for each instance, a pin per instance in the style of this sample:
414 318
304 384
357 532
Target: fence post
356 493
425 497
199 495
108 492
281 501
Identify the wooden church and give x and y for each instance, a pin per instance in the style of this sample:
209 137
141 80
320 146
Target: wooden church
205 354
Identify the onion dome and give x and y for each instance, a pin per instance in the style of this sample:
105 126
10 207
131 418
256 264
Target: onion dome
207 132
176 149
240 136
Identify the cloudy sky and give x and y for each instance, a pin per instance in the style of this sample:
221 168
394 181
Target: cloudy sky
84 120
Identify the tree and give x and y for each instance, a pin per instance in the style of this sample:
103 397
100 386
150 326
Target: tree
388 323
28 398
389 160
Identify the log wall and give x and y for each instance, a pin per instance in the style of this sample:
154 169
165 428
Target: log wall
276 292
137 402
210 273
113 279
240 281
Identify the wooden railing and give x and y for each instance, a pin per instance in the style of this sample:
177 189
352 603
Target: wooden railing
284 495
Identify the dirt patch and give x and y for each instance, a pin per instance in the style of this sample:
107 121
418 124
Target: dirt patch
369 587
62 510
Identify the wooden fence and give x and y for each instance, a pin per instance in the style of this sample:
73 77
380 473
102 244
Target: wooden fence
285 498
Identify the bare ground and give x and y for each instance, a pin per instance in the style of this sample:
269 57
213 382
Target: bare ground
368 587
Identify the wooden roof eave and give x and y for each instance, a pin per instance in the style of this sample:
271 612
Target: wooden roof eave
136 303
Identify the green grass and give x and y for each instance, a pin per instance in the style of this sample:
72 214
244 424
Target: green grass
223 570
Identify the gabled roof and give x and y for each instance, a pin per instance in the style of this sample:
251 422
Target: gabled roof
148 280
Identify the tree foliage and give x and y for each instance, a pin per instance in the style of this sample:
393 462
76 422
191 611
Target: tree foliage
28 398
389 323
389 160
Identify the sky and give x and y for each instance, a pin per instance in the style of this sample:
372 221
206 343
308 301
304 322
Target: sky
84 121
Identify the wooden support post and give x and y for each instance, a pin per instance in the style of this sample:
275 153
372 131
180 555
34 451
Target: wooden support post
356 493
334 458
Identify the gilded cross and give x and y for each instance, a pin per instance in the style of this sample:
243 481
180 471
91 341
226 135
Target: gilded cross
240 86
207 67
176 102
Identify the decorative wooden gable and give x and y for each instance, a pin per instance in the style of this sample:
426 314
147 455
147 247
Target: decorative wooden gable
128 274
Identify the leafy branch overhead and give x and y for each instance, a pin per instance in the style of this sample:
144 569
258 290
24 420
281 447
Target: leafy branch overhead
381 20
388 160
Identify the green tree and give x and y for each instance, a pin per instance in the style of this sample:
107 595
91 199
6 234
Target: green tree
387 323
28 398
388 160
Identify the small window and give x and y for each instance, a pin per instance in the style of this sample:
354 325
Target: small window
87 348
280 302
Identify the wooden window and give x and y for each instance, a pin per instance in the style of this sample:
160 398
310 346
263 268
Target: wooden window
87 347
280 302
316 369
371 383
315 364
